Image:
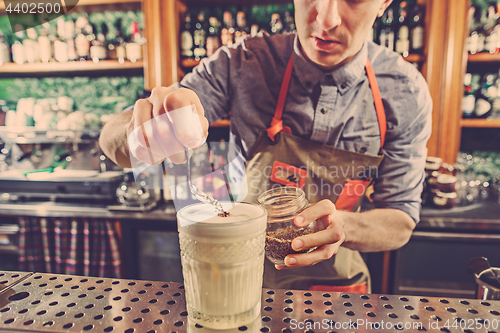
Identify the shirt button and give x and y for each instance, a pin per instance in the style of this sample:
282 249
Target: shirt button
343 85
324 110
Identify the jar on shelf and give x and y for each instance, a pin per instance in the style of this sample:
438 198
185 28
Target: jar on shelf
282 205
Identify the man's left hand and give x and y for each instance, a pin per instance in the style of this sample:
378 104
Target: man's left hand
327 239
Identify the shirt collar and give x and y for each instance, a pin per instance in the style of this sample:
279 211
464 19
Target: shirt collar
344 77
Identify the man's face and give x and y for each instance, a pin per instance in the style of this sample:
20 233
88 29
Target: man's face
331 32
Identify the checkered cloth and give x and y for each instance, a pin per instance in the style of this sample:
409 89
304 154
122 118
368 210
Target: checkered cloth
76 246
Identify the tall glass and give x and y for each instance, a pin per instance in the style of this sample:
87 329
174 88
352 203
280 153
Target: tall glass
222 263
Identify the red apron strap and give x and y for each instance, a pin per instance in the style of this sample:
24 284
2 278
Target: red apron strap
379 106
276 122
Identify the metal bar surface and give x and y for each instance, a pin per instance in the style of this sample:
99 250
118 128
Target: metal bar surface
63 303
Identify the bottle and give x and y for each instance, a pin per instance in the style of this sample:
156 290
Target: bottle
495 103
242 29
276 24
200 37
119 45
254 30
289 23
482 108
417 30
98 50
60 45
386 36
402 45
4 50
31 46
187 38
469 99
491 37
69 39
213 39
45 46
83 37
227 32
134 47
17 46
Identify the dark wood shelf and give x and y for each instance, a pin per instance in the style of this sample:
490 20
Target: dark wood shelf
221 123
69 67
484 57
480 123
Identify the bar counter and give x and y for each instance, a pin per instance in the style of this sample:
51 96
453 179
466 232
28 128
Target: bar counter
42 302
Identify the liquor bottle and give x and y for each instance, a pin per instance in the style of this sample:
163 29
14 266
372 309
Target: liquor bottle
289 23
98 50
491 37
417 30
69 39
495 103
227 32
134 47
213 39
200 37
276 24
487 92
4 50
45 46
254 30
242 29
187 38
83 37
119 44
31 46
60 45
402 45
386 35
469 99
17 46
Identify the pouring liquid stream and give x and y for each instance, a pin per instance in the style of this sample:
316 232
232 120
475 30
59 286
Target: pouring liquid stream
202 196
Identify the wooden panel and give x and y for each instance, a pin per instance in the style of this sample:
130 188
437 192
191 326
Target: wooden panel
432 68
454 70
69 67
170 35
480 123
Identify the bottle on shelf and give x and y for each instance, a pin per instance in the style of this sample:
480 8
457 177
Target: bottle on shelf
386 35
402 45
242 29
490 33
471 84
18 46
83 38
45 45
60 45
31 47
187 38
119 44
213 39
200 37
289 24
134 47
69 39
475 41
276 24
227 32
4 50
487 92
98 51
417 30
495 103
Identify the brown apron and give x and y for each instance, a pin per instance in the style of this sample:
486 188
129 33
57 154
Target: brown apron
323 172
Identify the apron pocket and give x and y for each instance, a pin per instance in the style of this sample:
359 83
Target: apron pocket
352 191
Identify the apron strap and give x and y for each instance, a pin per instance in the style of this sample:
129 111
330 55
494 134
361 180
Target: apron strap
277 122
379 106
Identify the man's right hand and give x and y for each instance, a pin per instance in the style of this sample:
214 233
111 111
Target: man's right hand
166 123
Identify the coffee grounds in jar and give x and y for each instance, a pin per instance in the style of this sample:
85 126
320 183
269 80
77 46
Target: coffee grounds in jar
279 242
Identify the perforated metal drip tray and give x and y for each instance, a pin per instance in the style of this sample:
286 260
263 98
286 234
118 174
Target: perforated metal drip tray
62 303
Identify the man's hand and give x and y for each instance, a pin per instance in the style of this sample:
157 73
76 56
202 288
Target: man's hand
328 239
166 123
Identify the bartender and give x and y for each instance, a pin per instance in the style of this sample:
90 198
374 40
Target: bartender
342 100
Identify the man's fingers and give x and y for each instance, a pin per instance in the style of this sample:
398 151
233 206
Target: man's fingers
328 236
185 112
157 97
322 253
314 212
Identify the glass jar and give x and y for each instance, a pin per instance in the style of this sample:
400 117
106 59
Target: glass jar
282 205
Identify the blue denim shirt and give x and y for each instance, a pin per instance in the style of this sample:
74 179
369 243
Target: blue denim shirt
334 108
